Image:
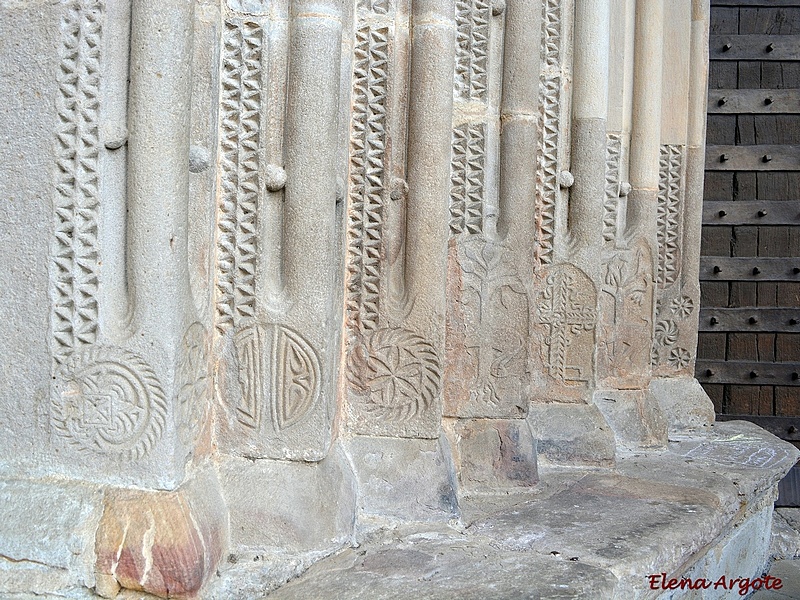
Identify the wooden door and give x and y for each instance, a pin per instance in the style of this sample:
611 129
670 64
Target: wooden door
749 346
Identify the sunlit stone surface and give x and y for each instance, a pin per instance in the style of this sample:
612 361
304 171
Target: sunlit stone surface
410 281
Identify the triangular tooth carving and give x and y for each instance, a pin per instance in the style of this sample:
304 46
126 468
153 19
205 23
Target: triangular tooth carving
367 172
237 244
74 262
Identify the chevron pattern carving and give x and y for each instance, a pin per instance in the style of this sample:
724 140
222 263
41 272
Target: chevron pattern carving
467 173
669 210
611 204
240 179
367 185
472 46
74 264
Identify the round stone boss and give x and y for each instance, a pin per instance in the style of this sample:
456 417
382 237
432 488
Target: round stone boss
109 401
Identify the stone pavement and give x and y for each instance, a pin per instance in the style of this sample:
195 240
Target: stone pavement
701 510
786 550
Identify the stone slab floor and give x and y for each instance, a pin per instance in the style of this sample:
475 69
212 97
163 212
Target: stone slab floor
704 508
583 533
786 549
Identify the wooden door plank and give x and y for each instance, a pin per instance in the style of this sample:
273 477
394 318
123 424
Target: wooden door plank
754 47
752 212
759 157
770 101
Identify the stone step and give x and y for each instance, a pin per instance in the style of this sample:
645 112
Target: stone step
701 510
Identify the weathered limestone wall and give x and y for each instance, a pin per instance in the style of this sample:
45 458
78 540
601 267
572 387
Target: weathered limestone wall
279 272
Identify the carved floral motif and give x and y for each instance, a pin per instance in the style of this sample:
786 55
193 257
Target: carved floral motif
667 333
398 371
494 302
627 300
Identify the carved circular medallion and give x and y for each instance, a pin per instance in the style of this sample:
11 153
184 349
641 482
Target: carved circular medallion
278 369
398 369
109 401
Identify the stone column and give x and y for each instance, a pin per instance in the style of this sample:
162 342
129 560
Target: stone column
680 219
568 428
278 298
398 210
626 299
589 114
490 248
278 270
127 344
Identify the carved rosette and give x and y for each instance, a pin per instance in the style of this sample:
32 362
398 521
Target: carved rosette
675 305
667 349
108 401
397 371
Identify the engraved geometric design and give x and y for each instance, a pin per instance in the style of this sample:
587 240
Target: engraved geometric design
367 185
551 34
279 368
109 401
239 167
74 264
611 204
669 211
379 7
191 380
667 331
564 309
399 371
549 126
547 182
466 178
472 45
